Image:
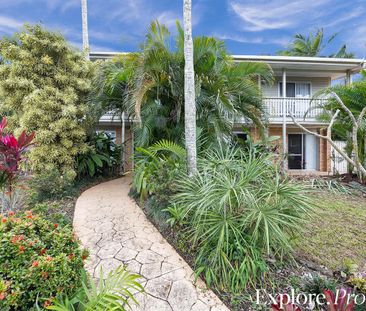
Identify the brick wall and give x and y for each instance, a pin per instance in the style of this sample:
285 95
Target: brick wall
324 155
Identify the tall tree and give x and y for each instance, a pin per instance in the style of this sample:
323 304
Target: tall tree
48 96
84 18
312 45
189 90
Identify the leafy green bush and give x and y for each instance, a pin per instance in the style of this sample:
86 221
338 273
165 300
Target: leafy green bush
103 156
115 292
38 260
317 284
48 96
156 168
49 185
239 210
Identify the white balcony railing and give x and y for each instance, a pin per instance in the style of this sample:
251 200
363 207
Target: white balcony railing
301 108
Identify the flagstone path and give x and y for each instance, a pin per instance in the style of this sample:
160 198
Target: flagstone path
116 231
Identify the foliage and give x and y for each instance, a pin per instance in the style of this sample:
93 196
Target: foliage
317 284
43 86
240 210
330 185
150 86
359 283
11 156
104 155
339 302
49 185
313 45
284 304
37 259
115 292
156 168
354 98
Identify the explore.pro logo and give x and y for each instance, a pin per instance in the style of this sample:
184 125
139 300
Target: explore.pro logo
340 300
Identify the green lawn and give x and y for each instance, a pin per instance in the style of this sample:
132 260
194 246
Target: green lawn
337 231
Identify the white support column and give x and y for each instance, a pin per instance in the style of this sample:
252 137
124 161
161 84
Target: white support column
284 125
123 139
348 78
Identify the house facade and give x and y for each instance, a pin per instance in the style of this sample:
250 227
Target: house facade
297 80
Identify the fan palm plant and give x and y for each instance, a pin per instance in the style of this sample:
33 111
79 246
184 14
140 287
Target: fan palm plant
115 292
313 45
150 86
239 210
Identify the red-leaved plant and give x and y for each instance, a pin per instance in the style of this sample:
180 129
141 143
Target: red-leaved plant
11 155
285 304
343 302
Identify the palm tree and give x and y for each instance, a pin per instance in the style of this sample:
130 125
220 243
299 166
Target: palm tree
84 18
150 86
189 90
312 45
354 98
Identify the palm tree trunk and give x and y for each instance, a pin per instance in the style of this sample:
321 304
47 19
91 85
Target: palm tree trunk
84 18
189 90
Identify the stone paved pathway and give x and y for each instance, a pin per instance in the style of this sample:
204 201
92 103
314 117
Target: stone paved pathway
116 231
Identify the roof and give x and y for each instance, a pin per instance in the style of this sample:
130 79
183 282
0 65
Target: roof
333 68
307 66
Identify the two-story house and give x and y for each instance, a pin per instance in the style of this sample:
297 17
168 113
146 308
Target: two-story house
297 79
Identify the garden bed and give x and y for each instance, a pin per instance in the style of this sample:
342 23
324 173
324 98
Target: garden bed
335 237
60 208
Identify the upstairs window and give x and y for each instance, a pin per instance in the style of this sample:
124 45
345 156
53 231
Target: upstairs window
296 89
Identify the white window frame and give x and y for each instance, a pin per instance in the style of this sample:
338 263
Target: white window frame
296 82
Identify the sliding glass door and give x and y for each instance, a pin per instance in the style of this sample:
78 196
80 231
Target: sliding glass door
302 152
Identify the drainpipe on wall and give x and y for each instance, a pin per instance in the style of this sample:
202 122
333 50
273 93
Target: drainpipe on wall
266 125
123 142
284 113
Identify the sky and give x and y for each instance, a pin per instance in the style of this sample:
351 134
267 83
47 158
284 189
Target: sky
247 26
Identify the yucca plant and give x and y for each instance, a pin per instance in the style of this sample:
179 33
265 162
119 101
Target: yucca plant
115 292
239 211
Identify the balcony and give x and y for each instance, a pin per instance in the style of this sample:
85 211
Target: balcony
303 109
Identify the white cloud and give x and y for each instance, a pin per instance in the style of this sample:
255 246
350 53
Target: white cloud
277 14
168 18
356 40
356 12
10 23
283 41
61 5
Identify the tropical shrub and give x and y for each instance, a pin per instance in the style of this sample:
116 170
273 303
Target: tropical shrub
239 211
156 168
44 84
115 292
49 185
103 156
149 86
11 156
339 302
38 260
354 99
